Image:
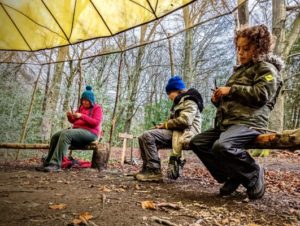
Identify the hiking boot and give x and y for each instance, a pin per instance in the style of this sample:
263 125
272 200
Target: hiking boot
52 168
257 191
150 174
229 187
42 167
143 170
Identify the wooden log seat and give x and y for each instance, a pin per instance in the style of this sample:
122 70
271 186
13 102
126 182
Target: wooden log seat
100 151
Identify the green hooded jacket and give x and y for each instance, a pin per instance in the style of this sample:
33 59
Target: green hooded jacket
254 89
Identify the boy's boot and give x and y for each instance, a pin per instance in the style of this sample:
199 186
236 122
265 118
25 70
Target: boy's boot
150 174
257 191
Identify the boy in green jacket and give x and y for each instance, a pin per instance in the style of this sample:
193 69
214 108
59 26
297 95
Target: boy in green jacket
244 102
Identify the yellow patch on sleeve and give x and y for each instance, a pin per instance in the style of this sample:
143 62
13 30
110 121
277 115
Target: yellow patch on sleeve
269 77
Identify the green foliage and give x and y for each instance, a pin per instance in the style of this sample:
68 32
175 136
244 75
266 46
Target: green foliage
14 104
156 113
208 116
259 152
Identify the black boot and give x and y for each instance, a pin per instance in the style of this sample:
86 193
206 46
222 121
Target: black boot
229 187
257 191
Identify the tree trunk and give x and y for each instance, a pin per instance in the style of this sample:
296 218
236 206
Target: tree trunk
79 84
133 90
278 30
188 44
171 56
243 14
113 119
24 127
66 104
53 96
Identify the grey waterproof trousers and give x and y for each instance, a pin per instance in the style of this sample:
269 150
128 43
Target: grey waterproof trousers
62 140
222 152
152 140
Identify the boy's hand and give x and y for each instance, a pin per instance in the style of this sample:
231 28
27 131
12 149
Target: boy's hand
160 126
220 92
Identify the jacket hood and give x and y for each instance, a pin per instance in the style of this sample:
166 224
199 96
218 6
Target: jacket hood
273 59
191 94
270 58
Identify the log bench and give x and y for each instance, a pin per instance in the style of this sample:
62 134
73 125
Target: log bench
287 140
100 151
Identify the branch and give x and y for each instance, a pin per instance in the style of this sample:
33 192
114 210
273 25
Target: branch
294 7
291 76
293 36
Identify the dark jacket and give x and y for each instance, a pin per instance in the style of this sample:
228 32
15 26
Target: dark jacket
254 89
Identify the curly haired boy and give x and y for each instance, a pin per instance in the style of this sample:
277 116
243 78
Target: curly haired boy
244 102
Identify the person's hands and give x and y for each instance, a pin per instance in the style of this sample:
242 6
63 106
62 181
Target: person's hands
160 126
77 115
69 114
220 92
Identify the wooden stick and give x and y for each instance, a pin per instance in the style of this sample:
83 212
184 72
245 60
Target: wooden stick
163 221
165 204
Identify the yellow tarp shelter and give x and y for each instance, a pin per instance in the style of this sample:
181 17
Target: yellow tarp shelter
31 25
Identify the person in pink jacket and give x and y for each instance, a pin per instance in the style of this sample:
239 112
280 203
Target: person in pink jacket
86 129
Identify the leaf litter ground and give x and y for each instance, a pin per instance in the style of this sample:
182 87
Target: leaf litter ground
113 197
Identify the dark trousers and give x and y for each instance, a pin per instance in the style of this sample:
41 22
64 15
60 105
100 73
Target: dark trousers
150 141
62 140
222 152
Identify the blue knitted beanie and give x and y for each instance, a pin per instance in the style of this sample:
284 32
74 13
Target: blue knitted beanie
175 84
88 95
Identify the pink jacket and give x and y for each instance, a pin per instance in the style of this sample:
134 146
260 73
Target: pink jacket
90 119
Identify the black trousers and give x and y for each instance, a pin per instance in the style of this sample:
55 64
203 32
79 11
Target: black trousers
222 152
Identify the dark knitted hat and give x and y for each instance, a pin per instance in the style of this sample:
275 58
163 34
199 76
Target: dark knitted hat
88 95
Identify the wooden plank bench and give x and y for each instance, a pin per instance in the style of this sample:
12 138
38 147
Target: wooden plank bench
100 151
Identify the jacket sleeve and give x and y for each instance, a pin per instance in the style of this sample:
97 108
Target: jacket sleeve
185 118
258 94
95 119
71 119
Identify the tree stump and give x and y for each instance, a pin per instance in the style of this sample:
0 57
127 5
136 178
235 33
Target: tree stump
100 156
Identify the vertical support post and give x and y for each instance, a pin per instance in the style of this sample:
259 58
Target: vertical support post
125 136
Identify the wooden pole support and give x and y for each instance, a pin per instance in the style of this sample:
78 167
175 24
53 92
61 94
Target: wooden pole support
125 136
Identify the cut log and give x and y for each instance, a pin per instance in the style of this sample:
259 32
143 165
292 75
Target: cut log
288 139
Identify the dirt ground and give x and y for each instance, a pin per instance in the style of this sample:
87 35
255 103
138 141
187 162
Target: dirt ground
113 197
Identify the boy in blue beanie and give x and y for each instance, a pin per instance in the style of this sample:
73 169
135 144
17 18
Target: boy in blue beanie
184 122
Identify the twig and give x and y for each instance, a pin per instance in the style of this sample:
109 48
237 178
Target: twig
163 221
103 200
92 223
171 205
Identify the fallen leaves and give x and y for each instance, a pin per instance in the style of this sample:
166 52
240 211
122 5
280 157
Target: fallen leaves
58 206
83 218
122 188
148 205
